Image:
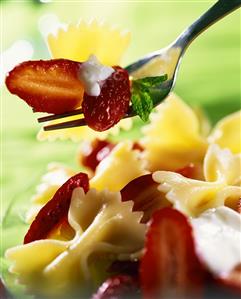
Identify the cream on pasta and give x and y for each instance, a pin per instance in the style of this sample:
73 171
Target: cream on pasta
218 239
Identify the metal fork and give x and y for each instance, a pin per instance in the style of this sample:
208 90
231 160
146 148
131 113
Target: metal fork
167 60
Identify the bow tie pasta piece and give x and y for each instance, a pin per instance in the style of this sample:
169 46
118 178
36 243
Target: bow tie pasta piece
194 197
104 227
227 133
28 262
77 134
222 166
172 140
191 197
118 229
120 167
78 42
55 177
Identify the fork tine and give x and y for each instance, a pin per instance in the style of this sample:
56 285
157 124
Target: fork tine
59 116
69 124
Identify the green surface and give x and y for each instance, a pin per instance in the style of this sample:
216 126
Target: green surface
209 77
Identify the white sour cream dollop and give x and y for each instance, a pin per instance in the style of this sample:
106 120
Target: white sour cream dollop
217 234
92 73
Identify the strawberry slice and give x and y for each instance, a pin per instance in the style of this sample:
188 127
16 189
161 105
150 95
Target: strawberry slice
49 86
56 210
188 171
137 146
92 153
170 267
107 109
145 195
231 283
118 287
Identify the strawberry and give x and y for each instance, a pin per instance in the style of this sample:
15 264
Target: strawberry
138 147
187 171
55 212
145 195
170 267
91 154
231 283
49 86
107 109
118 287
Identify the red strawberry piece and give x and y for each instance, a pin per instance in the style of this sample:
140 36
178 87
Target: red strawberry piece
187 171
170 267
232 282
49 86
145 195
137 146
118 287
91 154
55 211
107 109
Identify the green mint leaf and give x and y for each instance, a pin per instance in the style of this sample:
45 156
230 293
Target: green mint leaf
142 102
150 82
142 105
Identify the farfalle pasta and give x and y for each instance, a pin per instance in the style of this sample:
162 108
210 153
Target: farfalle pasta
222 165
107 42
101 229
227 133
222 174
172 139
104 227
109 173
77 234
176 135
121 166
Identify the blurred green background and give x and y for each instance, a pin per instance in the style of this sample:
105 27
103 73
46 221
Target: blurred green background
209 76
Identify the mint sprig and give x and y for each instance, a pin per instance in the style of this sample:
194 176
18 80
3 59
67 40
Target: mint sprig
141 97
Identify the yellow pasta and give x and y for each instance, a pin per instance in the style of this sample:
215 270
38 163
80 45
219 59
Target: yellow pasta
172 139
121 166
222 173
78 42
227 133
103 225
222 165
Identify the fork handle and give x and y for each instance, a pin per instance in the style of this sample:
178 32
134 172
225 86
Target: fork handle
215 13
